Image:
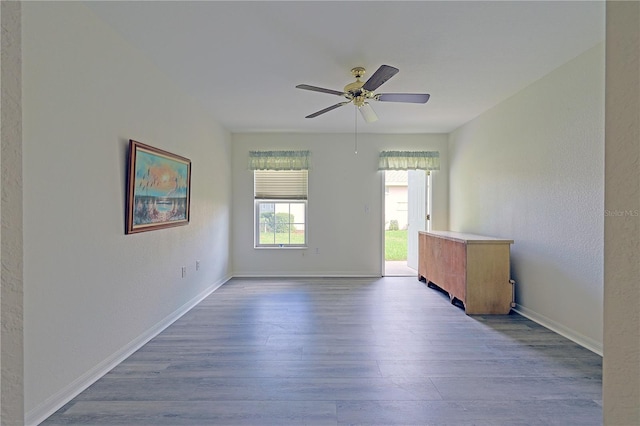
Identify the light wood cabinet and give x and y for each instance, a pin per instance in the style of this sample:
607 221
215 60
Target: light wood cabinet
472 268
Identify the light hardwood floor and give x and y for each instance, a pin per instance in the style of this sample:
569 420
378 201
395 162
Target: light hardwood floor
387 351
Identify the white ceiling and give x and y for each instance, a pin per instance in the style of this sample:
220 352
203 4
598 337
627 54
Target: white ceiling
242 60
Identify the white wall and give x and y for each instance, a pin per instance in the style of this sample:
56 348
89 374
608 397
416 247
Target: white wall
532 169
621 366
92 293
346 210
11 247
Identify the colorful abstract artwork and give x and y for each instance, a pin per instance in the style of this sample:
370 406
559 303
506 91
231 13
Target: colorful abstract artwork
158 189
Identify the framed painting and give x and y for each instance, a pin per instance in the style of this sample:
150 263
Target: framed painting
158 189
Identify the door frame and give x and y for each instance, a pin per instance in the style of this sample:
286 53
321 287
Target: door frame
429 211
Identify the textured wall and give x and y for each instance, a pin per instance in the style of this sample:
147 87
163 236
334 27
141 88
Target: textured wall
532 169
11 277
621 370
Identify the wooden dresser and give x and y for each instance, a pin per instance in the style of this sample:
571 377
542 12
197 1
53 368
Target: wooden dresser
472 268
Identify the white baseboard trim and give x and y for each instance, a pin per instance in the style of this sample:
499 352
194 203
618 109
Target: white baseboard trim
66 394
584 341
319 275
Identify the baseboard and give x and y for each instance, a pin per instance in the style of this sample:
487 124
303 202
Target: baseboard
66 394
318 275
584 341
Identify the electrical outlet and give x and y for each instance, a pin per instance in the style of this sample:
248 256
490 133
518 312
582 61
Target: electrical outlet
197 265
184 271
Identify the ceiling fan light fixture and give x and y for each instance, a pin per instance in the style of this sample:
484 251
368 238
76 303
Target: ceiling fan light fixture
368 113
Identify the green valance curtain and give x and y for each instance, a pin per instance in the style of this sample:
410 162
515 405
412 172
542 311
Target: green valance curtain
279 160
409 160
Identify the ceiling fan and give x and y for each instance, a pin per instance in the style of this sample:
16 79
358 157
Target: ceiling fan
359 92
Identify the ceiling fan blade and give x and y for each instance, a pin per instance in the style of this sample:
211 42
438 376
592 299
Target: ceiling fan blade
319 89
368 113
322 111
416 98
382 74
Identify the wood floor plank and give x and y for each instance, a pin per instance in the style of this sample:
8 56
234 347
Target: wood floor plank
198 413
335 351
469 413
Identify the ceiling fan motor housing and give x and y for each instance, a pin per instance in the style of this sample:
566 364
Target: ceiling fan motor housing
354 88
354 91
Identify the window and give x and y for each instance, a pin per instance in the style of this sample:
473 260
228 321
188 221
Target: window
280 208
280 197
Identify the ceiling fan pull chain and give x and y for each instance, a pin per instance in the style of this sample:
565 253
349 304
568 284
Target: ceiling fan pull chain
356 132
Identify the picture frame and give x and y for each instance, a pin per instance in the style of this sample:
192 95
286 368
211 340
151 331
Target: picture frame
158 189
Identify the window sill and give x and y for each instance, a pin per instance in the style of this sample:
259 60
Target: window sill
281 248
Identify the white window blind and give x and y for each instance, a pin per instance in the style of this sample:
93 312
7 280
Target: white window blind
280 184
